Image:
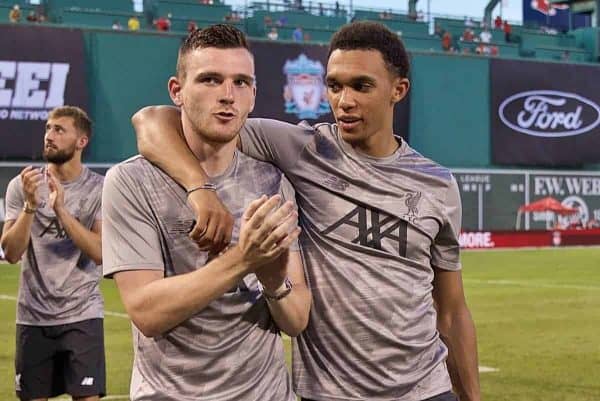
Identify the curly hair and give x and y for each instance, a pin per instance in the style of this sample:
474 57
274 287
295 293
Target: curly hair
364 35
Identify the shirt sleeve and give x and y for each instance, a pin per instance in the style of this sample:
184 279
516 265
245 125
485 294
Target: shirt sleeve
14 199
288 194
445 251
275 141
130 236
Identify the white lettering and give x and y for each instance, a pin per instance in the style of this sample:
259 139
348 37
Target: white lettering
573 185
27 85
476 240
8 70
58 83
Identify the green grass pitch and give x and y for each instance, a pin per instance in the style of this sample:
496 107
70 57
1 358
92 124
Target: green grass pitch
537 314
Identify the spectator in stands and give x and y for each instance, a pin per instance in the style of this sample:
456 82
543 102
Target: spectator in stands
420 16
469 22
267 20
447 42
337 8
412 16
485 36
321 12
163 23
565 56
307 37
282 21
116 26
468 35
498 22
438 31
273 34
133 24
192 26
507 31
14 15
298 35
494 51
32 17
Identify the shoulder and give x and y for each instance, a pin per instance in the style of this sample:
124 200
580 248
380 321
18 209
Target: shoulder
129 171
14 186
415 161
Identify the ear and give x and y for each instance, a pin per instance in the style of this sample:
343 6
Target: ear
82 141
174 87
400 87
253 99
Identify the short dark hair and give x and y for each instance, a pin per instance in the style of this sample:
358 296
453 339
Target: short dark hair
365 35
81 120
221 36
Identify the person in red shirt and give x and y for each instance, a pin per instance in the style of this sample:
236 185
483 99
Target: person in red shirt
498 22
507 31
163 23
447 42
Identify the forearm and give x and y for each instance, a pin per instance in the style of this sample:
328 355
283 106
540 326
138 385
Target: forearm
89 242
458 333
165 303
160 140
16 239
291 312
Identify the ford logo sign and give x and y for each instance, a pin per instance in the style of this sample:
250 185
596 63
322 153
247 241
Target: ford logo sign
550 114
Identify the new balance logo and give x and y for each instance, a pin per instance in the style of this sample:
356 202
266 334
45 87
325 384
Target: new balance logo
371 227
54 228
87 381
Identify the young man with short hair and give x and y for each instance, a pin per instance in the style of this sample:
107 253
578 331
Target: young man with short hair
53 220
206 326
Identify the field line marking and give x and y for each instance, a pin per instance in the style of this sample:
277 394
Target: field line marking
5 297
532 284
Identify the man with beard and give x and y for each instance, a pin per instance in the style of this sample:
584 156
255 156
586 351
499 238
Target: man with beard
53 220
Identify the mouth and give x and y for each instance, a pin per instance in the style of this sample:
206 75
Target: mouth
348 123
225 116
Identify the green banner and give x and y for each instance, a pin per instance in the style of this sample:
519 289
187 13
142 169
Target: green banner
491 198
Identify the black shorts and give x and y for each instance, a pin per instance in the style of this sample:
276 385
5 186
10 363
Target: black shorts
53 360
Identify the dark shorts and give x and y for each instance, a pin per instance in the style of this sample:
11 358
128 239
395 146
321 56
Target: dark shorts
449 396
53 360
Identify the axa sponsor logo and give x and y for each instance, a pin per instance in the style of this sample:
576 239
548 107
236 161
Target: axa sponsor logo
549 113
29 89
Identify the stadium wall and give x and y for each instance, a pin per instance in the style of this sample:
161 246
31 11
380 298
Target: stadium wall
449 103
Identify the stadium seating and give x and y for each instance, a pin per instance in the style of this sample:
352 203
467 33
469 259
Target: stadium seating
97 18
192 10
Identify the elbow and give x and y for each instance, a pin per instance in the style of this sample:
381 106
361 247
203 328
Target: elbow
10 256
139 121
12 259
146 326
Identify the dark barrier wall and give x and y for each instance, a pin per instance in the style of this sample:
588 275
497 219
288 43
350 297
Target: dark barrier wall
40 69
449 104
544 114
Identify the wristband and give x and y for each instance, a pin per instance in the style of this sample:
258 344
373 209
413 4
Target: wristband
208 186
28 208
283 291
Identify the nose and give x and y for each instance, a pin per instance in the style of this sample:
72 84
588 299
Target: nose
346 100
227 93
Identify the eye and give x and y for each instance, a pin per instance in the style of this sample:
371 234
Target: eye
241 83
210 80
334 87
362 87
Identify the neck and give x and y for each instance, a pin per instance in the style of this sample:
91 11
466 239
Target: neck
381 144
214 157
68 171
